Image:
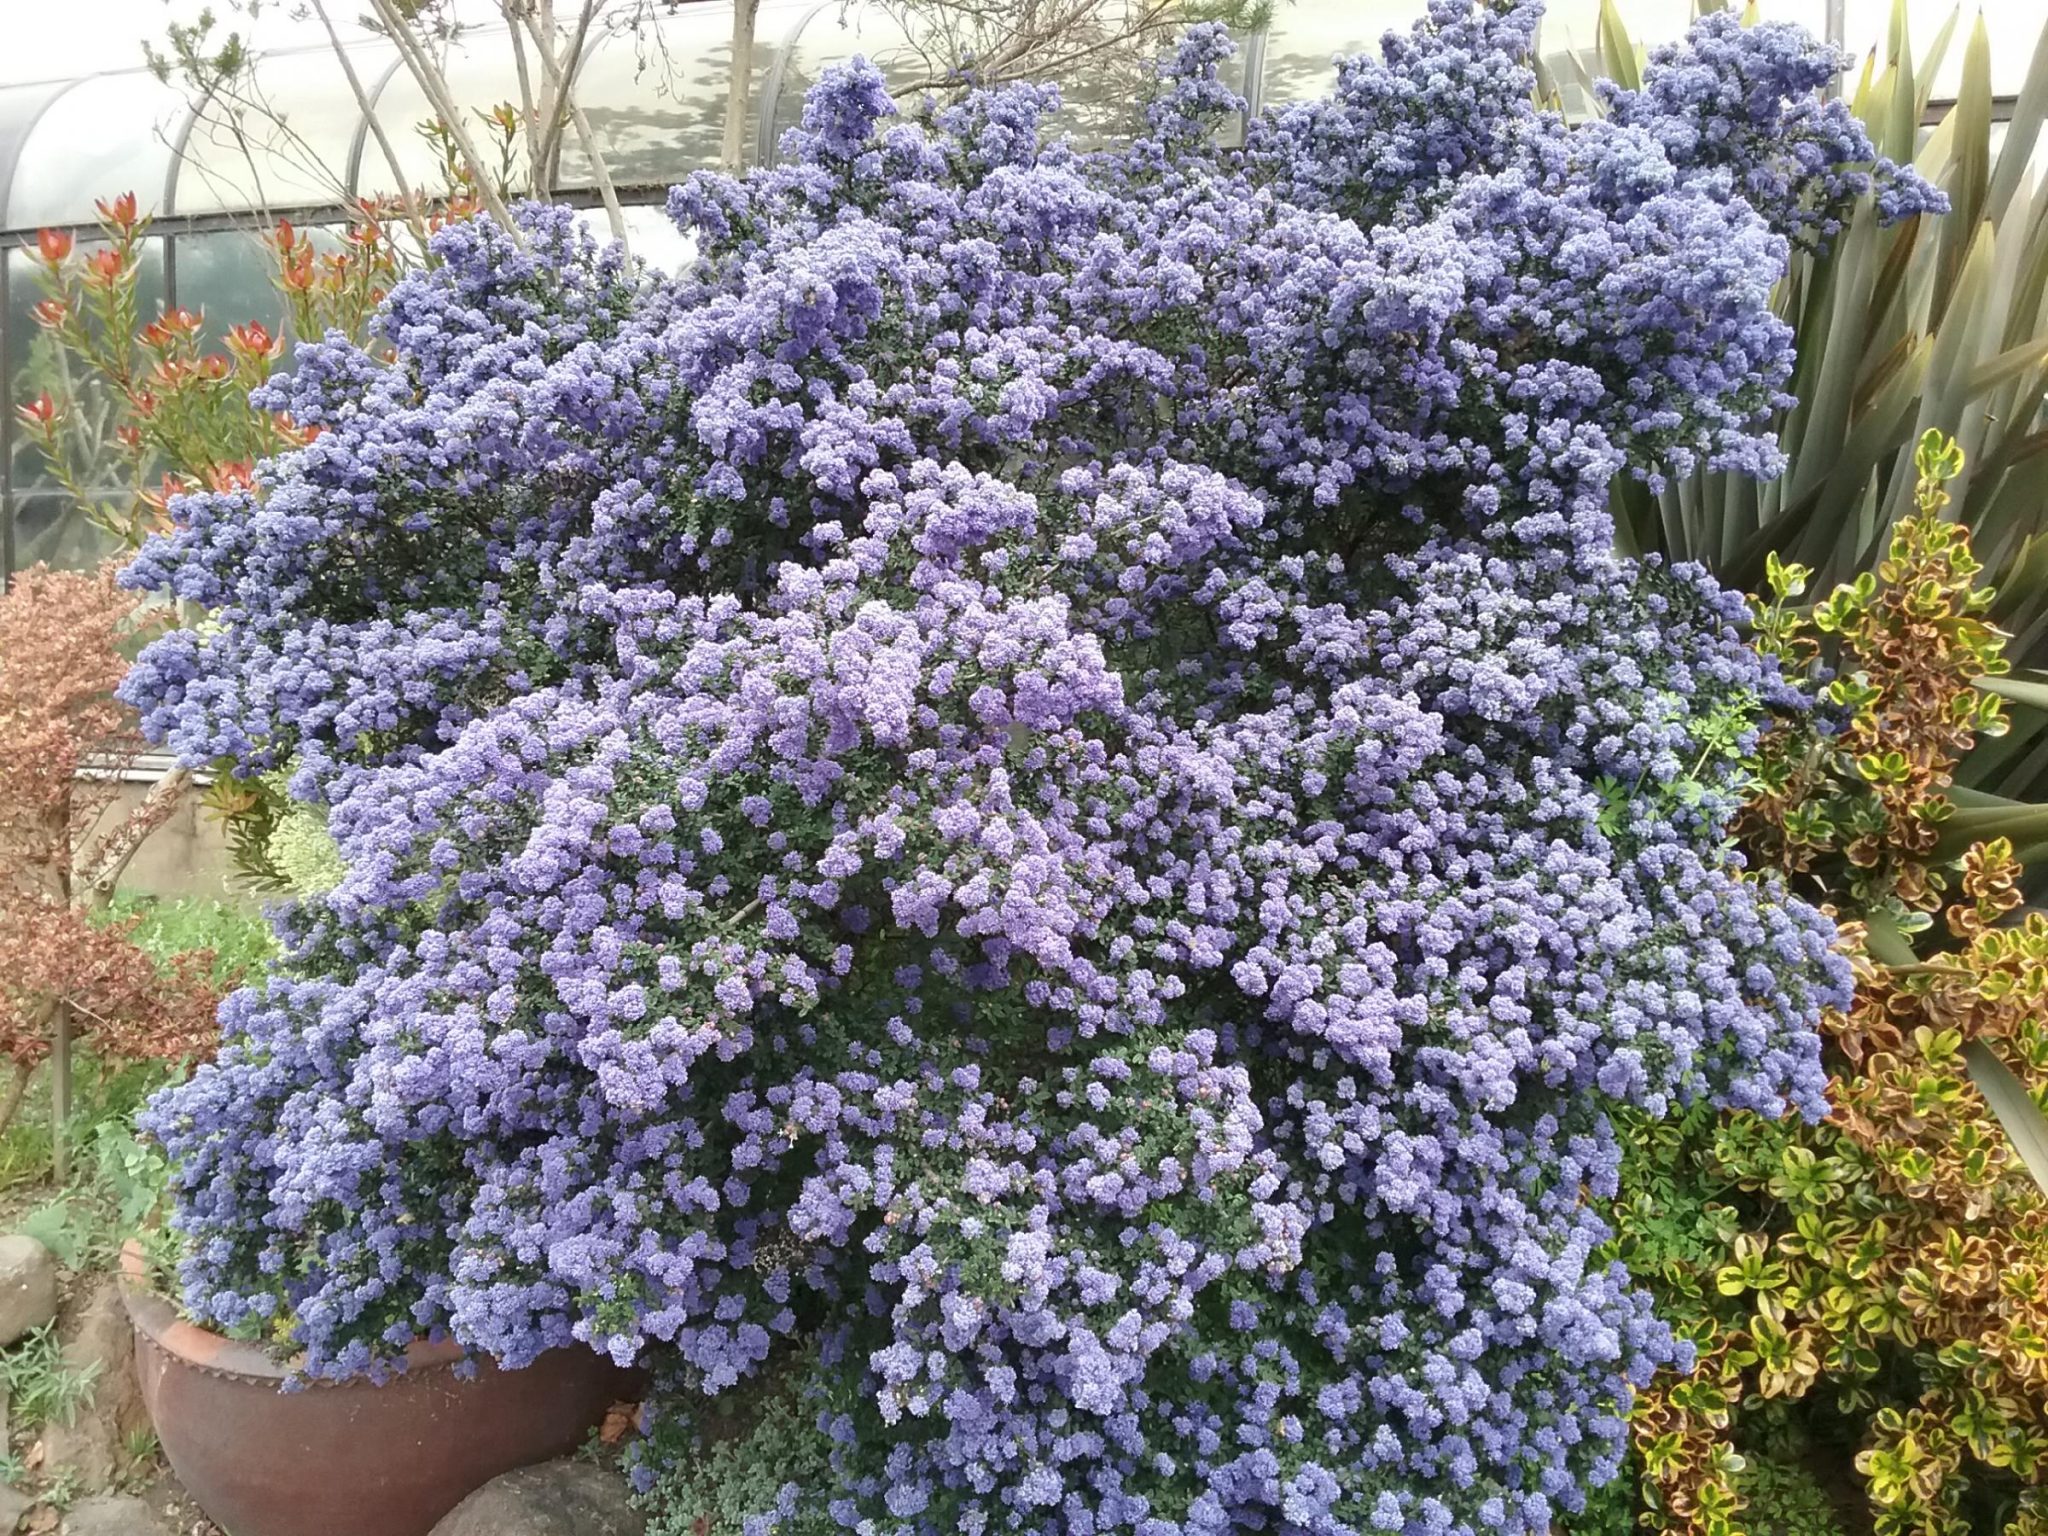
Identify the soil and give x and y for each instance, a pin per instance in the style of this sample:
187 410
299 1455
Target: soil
150 1477
174 1507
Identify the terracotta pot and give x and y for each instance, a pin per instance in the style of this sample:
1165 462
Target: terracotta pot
348 1458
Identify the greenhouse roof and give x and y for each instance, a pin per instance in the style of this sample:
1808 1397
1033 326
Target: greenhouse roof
73 129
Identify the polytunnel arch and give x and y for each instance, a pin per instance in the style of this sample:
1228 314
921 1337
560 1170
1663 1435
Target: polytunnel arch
656 103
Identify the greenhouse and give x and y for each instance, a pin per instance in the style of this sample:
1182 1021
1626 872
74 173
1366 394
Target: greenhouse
655 95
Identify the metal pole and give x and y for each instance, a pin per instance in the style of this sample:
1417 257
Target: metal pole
60 1093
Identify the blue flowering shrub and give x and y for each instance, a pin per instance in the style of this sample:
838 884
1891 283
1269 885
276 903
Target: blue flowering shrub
1020 830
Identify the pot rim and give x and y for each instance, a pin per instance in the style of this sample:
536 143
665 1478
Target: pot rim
158 1321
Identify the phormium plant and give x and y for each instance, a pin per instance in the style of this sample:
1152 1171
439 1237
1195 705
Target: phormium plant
1027 824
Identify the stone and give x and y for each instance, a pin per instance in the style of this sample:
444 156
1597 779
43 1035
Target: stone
28 1286
100 1347
111 1514
557 1498
13 1505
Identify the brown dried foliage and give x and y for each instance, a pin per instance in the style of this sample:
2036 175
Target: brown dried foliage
64 739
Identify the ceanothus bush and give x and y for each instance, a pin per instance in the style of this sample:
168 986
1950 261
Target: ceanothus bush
1019 829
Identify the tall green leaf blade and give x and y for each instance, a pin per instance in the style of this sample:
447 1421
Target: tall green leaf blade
1901 127
1969 173
1931 61
1835 347
1881 433
1979 817
2007 365
2032 691
1956 347
1618 50
2013 1105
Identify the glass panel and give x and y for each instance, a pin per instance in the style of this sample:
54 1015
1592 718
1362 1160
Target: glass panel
1305 39
65 42
650 232
287 145
106 135
226 279
49 528
36 365
19 106
656 100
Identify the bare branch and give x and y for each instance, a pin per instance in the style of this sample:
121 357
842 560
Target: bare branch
413 218
551 142
100 867
744 15
433 80
557 83
533 111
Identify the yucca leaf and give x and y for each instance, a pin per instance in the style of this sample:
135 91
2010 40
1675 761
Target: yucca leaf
1890 286
2013 1105
2004 501
2010 765
1882 370
1901 127
2022 606
1827 377
1884 940
1970 173
1931 60
1582 77
1882 433
2007 365
2030 283
1635 516
2021 690
1980 816
1862 100
1617 50
1957 345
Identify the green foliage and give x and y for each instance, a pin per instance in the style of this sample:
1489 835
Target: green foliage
1929 323
167 927
1878 1282
41 1389
302 852
743 1472
1783 1499
1895 656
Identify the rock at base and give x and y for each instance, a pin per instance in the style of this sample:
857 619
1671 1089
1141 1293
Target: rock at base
28 1286
557 1498
101 1348
111 1514
13 1505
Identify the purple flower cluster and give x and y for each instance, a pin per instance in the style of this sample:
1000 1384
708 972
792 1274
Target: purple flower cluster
1030 811
1740 107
